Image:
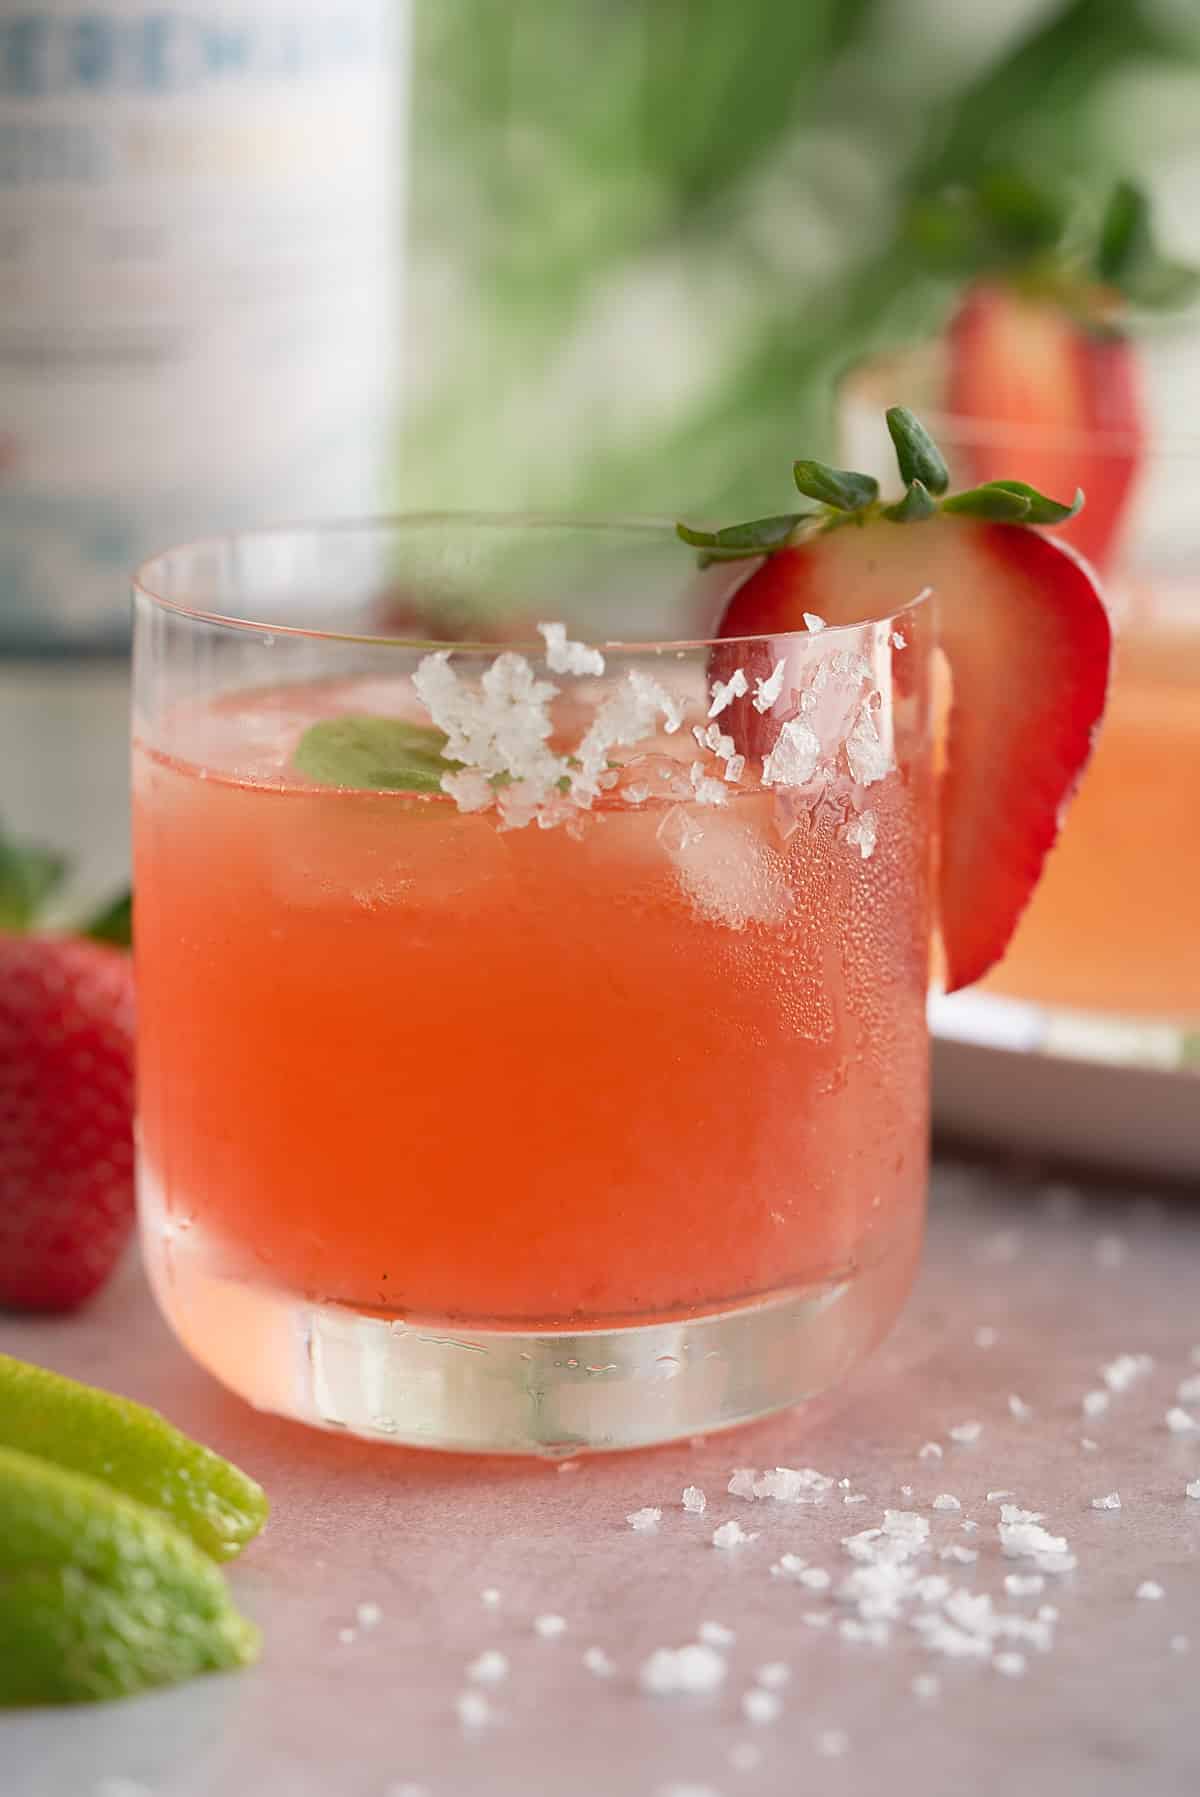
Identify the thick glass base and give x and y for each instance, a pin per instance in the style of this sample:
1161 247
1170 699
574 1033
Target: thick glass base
518 1391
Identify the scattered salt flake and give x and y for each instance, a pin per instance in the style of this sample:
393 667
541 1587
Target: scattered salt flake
945 1500
1112 1501
774 1674
1024 1540
854 1497
767 691
368 1615
566 657
1151 1589
1120 1373
1056 1560
741 1482
694 1500
490 1597
1188 1391
1193 1488
598 1662
491 1668
1012 1665
716 1634
1047 1613
930 1450
1024 1584
474 1710
1019 1408
966 1432
832 1743
814 622
744 1756
969 1526
788 1566
994 1497
1014 1513
1179 1644
1111 1251
962 1555
1180 1422
927 1686
986 1336
724 692
567 1466
1095 1403
874 1633
793 760
816 1619
862 833
1088 1445
761 1706
641 1521
732 1534
869 758
345 1636
815 1578
549 1626
670 1671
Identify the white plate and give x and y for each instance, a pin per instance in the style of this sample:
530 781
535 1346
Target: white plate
1098 1091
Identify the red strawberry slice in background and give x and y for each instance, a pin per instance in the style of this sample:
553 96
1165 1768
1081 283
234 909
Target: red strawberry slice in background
1027 638
66 1118
1064 400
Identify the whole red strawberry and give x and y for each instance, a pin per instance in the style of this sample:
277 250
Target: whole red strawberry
66 1105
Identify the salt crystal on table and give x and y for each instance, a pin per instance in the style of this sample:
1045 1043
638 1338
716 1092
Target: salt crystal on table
1012 1665
1150 1588
473 1708
815 1578
767 691
1047 1613
642 1520
832 1743
1021 1540
549 1626
1180 1422
1019 1408
774 1674
1095 1403
741 1482
963 1555
1019 1584
792 1484
732 1534
854 1497
969 1526
1014 1513
1120 1373
994 1497
368 1615
489 1669
694 1500
120 1787
906 1491
597 1661
692 1669
761 1706
966 1432
716 1634
490 1597
1193 1489
1088 1445
345 1636
1111 1502
931 1450
945 1501
1188 1391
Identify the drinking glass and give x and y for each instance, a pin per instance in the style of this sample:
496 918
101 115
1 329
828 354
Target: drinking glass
566 1089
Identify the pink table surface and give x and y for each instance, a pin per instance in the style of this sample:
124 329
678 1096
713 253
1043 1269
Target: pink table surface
1067 1282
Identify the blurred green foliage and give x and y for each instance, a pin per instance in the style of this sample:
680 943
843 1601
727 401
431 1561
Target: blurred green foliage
646 233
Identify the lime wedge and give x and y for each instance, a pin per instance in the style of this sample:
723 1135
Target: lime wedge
133 1449
99 1596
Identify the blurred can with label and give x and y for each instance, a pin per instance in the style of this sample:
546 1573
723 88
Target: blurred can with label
199 311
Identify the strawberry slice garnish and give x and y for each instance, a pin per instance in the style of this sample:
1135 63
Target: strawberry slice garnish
1023 628
1042 362
1029 373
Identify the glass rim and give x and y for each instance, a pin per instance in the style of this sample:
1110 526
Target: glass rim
142 582
945 424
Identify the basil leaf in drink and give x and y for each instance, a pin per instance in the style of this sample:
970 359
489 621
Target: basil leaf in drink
378 754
